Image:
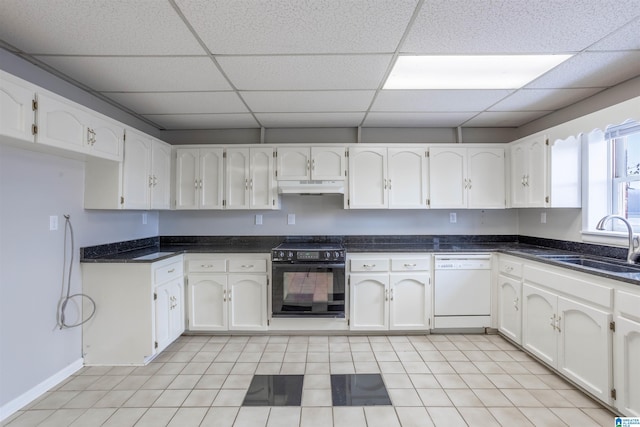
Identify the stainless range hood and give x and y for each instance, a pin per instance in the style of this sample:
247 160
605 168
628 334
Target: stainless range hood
311 187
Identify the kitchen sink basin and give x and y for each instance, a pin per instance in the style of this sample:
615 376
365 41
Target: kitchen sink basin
588 262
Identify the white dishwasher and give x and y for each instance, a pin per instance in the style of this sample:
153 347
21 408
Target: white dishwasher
462 291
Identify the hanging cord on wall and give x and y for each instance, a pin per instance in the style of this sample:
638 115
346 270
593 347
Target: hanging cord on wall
65 300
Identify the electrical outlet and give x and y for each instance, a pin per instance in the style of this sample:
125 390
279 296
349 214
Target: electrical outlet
543 218
291 219
144 218
258 219
53 222
453 218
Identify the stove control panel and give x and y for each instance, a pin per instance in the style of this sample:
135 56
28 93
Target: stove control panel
307 256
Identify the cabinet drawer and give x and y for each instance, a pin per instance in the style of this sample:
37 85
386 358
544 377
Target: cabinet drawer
207 266
167 272
247 266
410 264
511 268
628 304
369 264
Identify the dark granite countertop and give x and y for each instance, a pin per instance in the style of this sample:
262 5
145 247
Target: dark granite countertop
535 249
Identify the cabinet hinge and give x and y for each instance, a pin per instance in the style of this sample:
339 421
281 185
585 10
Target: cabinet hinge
34 104
429 322
546 199
224 203
122 200
348 322
268 322
348 202
612 326
34 129
155 296
428 202
275 154
426 153
155 344
613 393
546 141
273 202
224 155
346 152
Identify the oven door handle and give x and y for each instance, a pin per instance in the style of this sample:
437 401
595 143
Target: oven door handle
286 265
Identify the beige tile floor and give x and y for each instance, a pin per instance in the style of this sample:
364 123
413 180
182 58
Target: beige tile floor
442 380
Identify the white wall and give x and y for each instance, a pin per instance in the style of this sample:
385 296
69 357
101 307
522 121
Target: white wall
324 215
562 224
34 186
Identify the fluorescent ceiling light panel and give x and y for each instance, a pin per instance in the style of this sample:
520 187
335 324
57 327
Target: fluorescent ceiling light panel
469 72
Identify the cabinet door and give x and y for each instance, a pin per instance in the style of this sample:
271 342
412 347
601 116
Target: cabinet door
107 139
261 179
211 178
409 301
163 307
509 308
367 178
485 171
627 353
176 320
584 348
537 173
187 178
137 171
407 178
519 167
237 178
17 112
247 302
447 177
539 335
294 163
61 124
369 302
328 163
160 175
207 299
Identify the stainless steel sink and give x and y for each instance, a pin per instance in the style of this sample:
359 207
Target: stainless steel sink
588 262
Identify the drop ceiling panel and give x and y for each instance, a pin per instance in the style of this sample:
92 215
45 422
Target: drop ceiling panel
282 26
308 101
292 120
105 27
437 100
542 99
591 69
625 38
504 118
203 121
313 72
514 26
141 74
376 119
180 102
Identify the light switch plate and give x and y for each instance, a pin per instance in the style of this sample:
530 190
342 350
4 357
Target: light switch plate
291 219
53 222
453 218
258 219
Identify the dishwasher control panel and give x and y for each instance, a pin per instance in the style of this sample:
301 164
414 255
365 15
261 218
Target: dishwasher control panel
463 263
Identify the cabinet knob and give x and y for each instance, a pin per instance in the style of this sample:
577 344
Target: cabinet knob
386 294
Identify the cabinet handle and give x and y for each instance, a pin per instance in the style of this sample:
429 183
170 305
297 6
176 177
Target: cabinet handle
246 184
558 324
368 265
224 295
313 164
386 294
526 180
391 294
196 184
515 304
410 265
553 321
385 184
150 181
308 165
251 183
509 269
88 136
171 271
200 184
389 184
469 184
229 295
246 266
206 265
155 180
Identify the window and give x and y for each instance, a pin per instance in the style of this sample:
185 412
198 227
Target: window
625 145
612 178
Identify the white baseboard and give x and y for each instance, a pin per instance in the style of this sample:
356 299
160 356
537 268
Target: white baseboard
29 396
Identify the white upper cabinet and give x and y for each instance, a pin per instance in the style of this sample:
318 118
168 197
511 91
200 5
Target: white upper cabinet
137 178
393 178
467 177
546 173
305 163
160 175
16 105
199 178
250 178
61 124
104 138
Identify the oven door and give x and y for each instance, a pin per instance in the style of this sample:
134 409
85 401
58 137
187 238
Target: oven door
308 290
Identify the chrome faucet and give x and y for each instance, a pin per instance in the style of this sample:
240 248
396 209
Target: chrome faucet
634 250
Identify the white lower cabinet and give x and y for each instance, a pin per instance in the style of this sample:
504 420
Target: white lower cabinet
227 292
509 303
389 292
139 310
627 353
566 323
